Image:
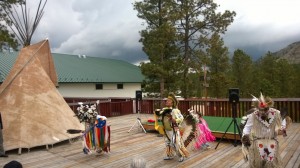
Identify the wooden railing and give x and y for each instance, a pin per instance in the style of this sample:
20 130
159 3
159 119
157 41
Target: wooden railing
110 107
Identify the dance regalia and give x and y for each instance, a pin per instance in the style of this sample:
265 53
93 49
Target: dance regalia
205 134
97 137
264 148
171 132
158 127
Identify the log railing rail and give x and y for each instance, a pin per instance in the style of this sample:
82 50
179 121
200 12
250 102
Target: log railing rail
110 107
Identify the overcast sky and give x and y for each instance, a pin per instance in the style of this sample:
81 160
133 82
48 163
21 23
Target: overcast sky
110 28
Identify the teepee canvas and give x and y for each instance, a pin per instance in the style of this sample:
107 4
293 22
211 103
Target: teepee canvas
33 111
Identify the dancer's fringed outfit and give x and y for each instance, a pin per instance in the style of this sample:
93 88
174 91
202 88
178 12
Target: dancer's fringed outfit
172 119
260 144
204 135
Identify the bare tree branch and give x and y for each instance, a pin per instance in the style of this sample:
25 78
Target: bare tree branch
22 26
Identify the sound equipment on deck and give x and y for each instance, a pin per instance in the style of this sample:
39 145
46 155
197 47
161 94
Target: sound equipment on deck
233 100
138 98
138 95
234 95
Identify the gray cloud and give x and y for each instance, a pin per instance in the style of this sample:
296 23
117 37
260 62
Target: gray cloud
256 41
261 25
106 28
110 28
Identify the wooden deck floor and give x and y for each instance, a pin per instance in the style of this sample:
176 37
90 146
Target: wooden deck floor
125 146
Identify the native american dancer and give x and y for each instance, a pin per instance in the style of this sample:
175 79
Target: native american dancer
286 121
260 135
204 136
96 135
172 119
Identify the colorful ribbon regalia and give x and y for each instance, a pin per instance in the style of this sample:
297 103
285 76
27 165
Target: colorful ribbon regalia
97 136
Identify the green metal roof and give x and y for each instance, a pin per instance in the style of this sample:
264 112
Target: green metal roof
82 69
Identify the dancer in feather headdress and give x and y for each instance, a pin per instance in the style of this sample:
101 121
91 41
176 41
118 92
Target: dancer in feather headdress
172 119
260 135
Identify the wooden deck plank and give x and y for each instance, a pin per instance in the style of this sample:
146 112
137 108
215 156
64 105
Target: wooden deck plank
295 159
126 145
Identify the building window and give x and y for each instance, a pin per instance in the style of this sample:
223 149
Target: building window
99 86
120 86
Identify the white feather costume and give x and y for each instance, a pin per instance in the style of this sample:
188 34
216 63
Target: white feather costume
262 127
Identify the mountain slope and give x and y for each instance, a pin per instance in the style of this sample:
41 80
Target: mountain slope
290 53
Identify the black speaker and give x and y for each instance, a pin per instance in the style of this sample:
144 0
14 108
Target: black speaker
234 95
138 95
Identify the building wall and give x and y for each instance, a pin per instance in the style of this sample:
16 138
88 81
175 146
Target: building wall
89 90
